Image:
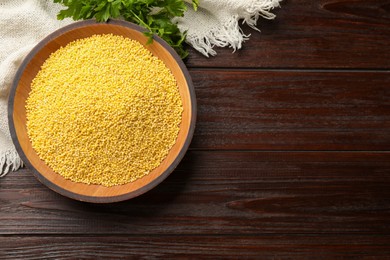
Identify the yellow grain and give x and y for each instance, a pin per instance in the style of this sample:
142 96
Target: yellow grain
103 110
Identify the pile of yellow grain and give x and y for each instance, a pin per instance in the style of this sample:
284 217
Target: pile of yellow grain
103 110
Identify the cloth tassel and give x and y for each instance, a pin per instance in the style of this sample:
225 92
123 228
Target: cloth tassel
230 35
9 161
257 9
222 29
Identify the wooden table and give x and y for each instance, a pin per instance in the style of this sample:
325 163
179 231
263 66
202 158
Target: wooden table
290 158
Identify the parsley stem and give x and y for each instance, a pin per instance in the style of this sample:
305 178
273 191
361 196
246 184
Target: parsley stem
141 21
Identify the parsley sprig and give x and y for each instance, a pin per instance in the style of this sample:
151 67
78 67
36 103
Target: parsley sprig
155 15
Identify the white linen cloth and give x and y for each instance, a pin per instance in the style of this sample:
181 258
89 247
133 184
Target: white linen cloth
216 22
23 23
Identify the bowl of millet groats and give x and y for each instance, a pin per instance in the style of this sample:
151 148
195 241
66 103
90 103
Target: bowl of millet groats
99 113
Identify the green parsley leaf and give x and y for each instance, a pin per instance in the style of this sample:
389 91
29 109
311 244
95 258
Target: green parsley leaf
154 15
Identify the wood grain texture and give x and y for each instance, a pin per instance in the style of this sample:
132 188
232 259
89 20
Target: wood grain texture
292 110
343 34
290 158
222 193
196 247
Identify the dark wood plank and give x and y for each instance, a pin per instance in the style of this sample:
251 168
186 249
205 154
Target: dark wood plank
196 247
292 110
222 193
314 34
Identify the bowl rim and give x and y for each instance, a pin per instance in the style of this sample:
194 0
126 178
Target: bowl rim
102 199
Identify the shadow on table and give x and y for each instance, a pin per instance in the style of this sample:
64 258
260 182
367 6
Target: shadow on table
149 203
